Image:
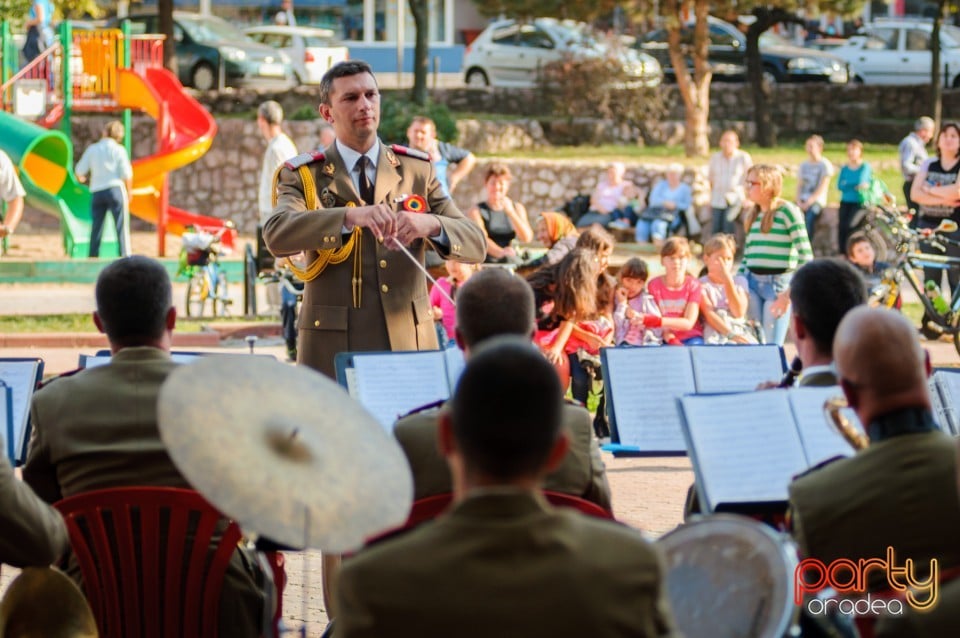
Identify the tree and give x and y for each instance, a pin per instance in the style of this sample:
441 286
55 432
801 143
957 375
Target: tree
165 26
694 88
529 9
420 9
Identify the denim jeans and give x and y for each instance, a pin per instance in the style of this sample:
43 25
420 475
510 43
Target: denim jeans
810 216
764 290
108 200
720 222
647 228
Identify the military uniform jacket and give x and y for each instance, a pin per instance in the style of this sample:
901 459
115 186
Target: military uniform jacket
394 312
505 563
900 492
32 532
98 429
581 473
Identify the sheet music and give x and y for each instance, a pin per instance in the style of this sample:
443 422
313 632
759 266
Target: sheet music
6 423
949 385
936 403
21 376
643 384
453 358
391 384
821 441
96 360
740 369
745 447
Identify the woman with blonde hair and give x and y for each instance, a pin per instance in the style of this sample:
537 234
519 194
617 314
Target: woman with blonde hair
111 182
776 245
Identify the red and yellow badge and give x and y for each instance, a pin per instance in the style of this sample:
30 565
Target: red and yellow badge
413 203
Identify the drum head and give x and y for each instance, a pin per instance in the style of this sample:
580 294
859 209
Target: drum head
729 576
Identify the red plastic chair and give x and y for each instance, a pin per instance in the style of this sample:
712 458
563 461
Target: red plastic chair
111 529
561 499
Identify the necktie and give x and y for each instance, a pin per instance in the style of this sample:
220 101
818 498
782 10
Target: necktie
366 187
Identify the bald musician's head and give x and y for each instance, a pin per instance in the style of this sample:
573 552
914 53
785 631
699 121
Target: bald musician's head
492 303
880 362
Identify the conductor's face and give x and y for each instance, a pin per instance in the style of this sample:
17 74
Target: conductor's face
354 110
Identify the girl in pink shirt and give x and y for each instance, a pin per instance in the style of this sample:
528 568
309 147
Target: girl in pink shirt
444 311
677 293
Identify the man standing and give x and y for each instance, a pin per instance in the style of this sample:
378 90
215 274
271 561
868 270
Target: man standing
900 492
728 173
913 152
451 163
365 213
494 303
97 429
11 191
501 561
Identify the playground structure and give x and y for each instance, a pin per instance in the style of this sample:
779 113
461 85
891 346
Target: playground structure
102 71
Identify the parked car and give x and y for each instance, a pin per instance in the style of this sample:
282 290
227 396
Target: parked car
727 55
205 44
898 52
510 53
311 51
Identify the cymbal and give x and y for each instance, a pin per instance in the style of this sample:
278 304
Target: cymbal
284 451
43 601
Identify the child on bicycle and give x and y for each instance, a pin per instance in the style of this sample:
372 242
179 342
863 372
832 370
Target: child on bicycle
632 303
724 297
863 256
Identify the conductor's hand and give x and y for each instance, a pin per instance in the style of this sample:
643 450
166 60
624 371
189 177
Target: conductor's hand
379 219
411 226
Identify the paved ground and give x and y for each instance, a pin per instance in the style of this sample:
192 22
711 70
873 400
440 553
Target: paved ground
648 493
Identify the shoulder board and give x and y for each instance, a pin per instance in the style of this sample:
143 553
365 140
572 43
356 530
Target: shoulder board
424 408
819 466
303 159
44 383
409 152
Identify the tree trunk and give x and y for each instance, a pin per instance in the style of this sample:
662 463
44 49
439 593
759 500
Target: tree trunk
766 134
165 26
694 89
421 18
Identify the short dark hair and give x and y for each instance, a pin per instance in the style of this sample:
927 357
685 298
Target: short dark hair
506 411
822 292
858 237
341 70
494 302
133 297
635 268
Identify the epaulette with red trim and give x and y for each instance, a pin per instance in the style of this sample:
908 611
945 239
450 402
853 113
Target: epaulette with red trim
69 373
819 466
424 408
409 152
303 159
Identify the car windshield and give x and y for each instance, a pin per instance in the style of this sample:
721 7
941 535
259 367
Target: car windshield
209 29
318 41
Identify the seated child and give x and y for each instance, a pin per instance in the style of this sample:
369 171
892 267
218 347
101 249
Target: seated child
633 302
445 312
677 294
862 254
724 298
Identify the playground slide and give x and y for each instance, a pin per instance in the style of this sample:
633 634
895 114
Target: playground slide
44 158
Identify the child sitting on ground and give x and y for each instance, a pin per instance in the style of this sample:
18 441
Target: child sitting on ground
724 297
633 302
677 294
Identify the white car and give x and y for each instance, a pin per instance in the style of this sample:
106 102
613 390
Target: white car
898 52
511 54
311 51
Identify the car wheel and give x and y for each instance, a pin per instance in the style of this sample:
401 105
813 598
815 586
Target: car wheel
477 79
203 77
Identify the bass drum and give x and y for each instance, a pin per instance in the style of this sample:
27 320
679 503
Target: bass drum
730 576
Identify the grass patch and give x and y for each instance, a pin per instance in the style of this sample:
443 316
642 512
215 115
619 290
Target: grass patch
84 323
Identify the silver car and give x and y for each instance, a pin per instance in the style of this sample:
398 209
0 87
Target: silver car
311 51
511 54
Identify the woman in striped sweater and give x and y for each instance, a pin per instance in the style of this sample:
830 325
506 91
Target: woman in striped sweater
776 245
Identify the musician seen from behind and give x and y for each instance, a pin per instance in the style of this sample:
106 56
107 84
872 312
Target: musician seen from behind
502 561
97 428
494 303
901 490
353 208
822 292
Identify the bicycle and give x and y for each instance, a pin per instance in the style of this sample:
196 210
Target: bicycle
941 316
200 262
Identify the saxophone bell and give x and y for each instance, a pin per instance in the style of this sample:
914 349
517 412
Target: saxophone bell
833 412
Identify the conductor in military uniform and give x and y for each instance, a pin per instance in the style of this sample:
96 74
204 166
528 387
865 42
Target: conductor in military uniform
354 209
901 490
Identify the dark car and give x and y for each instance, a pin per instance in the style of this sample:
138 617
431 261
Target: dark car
727 55
205 42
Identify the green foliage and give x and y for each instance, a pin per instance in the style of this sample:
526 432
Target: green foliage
14 11
305 112
598 87
76 9
526 9
397 113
